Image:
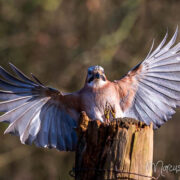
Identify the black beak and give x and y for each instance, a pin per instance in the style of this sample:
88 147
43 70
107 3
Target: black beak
97 75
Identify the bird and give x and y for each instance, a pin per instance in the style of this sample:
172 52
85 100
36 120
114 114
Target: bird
47 117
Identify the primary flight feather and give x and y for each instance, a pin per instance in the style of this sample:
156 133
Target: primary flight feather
149 92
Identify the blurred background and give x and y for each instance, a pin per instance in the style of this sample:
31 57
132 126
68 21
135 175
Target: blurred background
57 40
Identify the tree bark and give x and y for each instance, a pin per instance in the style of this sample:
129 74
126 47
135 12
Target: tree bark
122 149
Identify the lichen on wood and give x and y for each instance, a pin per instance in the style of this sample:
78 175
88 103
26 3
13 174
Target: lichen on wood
122 148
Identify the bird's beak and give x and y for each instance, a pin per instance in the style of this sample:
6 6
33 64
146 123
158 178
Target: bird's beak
97 75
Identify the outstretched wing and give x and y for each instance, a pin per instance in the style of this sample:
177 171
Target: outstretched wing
37 113
151 90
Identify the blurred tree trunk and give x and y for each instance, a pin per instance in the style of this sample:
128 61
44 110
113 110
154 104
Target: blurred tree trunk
122 149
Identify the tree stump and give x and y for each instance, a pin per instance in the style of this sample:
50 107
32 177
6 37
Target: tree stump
122 149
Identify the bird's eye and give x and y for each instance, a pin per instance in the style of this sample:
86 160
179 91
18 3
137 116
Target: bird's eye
89 72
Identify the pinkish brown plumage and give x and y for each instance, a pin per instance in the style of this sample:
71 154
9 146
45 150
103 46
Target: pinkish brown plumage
149 92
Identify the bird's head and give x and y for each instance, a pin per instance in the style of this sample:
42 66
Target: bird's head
95 76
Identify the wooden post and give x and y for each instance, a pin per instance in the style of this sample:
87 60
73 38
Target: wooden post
122 149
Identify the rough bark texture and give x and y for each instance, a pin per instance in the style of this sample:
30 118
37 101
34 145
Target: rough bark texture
124 145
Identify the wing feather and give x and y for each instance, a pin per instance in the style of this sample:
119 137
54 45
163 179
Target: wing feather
43 136
37 113
158 48
168 45
155 85
11 104
21 75
19 124
13 79
8 95
53 129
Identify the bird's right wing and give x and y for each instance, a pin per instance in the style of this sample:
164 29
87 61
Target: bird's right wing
38 113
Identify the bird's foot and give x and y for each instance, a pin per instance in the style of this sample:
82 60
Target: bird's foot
109 112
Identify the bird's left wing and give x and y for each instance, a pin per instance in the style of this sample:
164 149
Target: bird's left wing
37 113
151 90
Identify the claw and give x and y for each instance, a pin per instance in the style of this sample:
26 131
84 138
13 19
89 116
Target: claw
109 112
113 112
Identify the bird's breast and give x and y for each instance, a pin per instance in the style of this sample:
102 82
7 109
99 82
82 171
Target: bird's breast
94 102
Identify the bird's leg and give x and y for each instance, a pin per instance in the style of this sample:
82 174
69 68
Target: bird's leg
107 113
113 111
